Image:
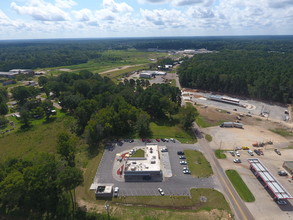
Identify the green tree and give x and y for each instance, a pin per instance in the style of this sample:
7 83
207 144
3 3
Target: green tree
3 108
42 80
66 148
3 121
25 118
142 126
69 178
187 116
22 93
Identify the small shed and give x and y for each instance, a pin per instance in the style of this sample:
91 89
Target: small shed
288 165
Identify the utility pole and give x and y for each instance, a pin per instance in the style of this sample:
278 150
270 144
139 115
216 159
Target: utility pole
107 207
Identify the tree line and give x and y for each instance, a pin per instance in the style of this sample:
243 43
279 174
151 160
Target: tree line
34 54
256 74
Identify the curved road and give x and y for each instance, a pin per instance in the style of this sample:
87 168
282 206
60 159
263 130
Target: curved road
238 207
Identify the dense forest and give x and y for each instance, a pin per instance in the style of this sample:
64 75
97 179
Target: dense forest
33 54
266 75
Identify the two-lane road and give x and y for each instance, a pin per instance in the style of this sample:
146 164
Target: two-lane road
237 205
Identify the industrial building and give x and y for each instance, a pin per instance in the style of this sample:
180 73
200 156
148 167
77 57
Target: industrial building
275 189
104 190
14 72
147 168
151 74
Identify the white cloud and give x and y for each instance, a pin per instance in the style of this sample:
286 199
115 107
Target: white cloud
83 15
117 7
41 10
165 18
65 3
180 2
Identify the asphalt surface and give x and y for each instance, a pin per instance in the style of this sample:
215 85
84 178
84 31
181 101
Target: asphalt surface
239 208
178 184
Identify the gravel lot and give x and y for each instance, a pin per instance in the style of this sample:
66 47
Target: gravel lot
254 107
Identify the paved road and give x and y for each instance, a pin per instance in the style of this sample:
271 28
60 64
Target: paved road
239 208
178 184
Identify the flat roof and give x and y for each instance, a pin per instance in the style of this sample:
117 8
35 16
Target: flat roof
279 191
151 161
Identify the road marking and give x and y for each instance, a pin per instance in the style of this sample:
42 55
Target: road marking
242 213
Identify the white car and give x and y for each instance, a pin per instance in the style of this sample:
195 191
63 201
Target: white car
164 149
187 171
237 153
237 161
161 191
183 162
116 191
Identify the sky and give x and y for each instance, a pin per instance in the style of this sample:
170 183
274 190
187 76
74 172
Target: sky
42 19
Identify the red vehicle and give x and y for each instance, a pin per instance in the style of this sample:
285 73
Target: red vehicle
158 140
148 140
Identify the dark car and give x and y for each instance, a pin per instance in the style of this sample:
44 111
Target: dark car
257 152
163 139
131 141
180 152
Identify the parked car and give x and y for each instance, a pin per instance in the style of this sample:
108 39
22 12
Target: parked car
245 148
187 171
232 153
250 152
185 168
237 153
282 173
164 149
180 152
161 191
183 162
237 160
131 141
116 191
158 140
257 152
182 157
172 139
277 151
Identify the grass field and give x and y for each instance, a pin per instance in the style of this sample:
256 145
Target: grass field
215 200
220 154
201 122
198 164
128 57
40 138
282 132
208 137
167 131
240 186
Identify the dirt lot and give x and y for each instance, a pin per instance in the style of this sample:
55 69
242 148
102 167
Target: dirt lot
255 130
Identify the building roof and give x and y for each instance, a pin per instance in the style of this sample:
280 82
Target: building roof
276 188
151 161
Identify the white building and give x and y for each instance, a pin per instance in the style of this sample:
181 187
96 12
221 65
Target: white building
147 168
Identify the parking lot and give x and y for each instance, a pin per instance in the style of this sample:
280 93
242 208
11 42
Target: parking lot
177 184
264 206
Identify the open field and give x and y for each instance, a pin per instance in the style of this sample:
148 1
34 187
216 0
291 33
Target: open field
214 200
39 138
240 186
165 131
198 164
121 58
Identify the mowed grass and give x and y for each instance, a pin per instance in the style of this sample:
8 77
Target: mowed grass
165 131
282 132
240 186
39 138
220 154
198 164
201 122
214 200
138 153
